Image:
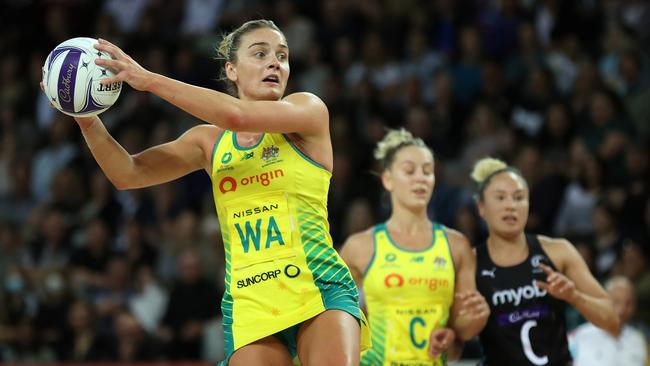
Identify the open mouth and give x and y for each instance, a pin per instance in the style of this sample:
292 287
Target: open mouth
274 79
510 219
420 191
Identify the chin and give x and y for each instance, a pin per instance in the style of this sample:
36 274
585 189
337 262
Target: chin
271 95
418 205
510 232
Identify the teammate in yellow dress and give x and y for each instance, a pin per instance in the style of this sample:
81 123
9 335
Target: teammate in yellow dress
269 158
417 276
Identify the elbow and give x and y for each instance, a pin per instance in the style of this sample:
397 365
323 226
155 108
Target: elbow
120 184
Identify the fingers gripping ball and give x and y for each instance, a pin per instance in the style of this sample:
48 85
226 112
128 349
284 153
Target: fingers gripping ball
71 80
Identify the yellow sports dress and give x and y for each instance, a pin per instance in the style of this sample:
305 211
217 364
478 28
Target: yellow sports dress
281 267
408 294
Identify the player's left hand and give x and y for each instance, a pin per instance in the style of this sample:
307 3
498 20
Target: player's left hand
440 340
557 285
124 67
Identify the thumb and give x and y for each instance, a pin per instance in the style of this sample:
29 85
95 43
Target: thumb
85 122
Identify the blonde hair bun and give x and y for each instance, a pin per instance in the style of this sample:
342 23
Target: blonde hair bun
486 167
394 139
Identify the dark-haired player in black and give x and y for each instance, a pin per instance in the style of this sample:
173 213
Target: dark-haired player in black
527 280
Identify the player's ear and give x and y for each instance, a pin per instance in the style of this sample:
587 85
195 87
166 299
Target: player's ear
387 180
231 71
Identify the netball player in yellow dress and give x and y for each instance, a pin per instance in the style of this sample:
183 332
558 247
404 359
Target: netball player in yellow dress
270 160
417 275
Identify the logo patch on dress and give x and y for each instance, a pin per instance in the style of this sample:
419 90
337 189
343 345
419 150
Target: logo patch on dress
270 152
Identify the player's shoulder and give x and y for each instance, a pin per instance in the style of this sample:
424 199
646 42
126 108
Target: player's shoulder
558 247
456 238
551 241
205 129
361 238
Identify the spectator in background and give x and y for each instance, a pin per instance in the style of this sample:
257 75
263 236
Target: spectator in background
555 138
574 217
126 13
16 302
132 343
607 131
149 301
55 299
25 346
102 202
200 16
545 188
18 202
587 83
467 69
193 301
591 345
608 241
89 262
50 245
84 342
58 152
447 117
139 252
11 247
114 294
634 188
634 265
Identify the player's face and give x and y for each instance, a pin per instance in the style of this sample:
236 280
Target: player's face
410 179
505 204
262 67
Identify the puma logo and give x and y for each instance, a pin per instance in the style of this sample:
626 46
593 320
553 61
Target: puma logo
489 273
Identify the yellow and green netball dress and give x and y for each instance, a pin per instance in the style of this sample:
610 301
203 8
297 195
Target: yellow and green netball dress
408 294
281 268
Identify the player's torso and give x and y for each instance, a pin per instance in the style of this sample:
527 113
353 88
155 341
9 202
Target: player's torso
272 206
259 192
526 325
408 294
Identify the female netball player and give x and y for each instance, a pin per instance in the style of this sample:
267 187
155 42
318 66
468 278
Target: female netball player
410 268
269 157
527 279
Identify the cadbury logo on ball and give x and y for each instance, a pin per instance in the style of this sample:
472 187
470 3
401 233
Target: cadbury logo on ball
64 94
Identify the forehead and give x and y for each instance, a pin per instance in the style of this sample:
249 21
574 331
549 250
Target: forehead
417 154
507 181
263 35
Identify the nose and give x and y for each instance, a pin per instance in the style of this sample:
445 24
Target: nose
275 63
421 176
510 203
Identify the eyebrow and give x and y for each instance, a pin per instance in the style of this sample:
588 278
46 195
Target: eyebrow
266 44
411 162
504 191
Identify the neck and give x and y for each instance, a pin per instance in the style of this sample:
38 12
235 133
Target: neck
498 242
409 220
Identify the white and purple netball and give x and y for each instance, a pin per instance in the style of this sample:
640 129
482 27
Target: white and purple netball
71 79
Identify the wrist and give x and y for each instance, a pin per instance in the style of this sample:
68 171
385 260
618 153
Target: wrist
575 299
152 82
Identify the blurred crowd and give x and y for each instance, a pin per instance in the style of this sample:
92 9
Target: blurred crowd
560 89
